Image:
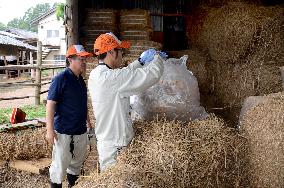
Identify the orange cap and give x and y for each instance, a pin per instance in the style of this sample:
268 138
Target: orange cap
107 42
77 50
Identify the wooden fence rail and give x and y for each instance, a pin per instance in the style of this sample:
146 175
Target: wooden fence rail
37 83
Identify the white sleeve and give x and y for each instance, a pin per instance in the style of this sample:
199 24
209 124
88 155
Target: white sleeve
134 65
134 81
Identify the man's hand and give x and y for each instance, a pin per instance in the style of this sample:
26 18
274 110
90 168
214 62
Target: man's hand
51 136
147 56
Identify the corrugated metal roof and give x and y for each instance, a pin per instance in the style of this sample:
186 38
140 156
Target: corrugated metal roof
5 40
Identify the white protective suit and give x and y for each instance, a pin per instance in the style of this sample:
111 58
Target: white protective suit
110 90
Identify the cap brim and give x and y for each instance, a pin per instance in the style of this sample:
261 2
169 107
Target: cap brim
84 54
124 44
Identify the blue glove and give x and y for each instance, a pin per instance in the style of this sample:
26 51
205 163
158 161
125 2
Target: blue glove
163 55
147 56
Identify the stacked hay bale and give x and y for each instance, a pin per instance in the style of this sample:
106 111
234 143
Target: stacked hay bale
25 144
97 22
135 24
137 47
170 154
262 123
245 43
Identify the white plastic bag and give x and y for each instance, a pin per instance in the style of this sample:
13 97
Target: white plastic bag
176 95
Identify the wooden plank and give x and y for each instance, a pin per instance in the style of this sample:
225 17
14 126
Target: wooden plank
25 125
19 84
13 98
39 166
24 67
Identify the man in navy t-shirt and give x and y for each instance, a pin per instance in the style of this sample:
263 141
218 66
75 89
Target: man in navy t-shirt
67 119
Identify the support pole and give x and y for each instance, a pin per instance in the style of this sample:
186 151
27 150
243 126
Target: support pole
32 63
6 71
18 60
71 22
38 73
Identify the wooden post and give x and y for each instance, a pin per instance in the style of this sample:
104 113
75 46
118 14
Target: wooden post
71 21
32 63
38 73
6 71
18 60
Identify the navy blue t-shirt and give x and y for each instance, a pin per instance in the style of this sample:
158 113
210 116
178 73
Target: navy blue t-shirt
70 93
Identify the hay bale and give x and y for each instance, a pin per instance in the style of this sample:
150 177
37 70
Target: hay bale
137 19
263 127
135 24
195 24
101 17
136 49
233 83
239 30
229 31
170 154
97 22
269 40
135 35
25 144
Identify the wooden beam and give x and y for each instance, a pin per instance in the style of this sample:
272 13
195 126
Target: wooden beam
23 67
19 84
39 166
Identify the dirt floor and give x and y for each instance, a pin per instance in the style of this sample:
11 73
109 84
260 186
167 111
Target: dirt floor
10 178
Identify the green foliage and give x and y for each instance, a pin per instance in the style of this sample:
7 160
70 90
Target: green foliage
30 110
2 26
30 14
60 11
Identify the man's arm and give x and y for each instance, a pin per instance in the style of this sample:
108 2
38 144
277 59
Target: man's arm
135 81
50 110
89 125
